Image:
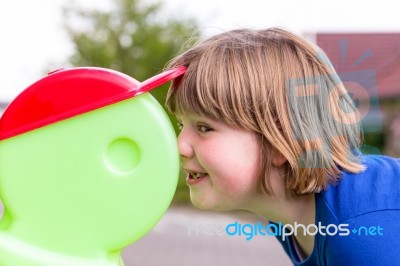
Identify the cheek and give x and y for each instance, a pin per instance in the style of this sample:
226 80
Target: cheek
239 186
237 168
244 158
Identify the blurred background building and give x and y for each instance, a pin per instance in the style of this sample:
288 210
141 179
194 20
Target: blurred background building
369 64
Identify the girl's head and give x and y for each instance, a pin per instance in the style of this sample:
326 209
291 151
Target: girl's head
281 87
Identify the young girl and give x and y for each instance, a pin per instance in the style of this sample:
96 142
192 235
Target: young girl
267 126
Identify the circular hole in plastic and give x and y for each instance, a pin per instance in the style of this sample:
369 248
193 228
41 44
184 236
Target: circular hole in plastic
122 155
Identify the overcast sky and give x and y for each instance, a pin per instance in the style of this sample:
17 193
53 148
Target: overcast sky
32 37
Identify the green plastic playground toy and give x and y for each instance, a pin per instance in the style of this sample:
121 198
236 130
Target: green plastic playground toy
88 165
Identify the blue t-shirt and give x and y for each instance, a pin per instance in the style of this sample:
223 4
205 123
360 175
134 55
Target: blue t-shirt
368 206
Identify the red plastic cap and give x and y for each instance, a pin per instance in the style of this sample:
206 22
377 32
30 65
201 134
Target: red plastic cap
67 93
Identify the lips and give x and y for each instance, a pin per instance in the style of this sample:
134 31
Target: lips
193 178
196 175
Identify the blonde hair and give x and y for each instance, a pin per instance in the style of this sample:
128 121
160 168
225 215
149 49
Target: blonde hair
282 87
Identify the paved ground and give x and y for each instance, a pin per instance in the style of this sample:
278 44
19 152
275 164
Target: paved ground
187 236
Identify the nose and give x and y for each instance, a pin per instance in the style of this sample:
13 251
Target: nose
185 145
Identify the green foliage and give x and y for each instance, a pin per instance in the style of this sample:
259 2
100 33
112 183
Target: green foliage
131 37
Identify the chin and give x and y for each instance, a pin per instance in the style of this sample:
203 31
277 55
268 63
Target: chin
205 205
201 205
201 202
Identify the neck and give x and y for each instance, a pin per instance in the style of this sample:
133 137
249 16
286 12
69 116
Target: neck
288 208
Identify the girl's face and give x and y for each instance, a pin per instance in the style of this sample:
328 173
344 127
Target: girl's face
221 163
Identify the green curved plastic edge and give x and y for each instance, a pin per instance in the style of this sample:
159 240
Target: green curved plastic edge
78 191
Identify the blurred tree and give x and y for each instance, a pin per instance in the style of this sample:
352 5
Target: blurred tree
132 37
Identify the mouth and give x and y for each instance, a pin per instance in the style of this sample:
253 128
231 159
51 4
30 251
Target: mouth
195 177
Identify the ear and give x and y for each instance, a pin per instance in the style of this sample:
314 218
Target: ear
278 159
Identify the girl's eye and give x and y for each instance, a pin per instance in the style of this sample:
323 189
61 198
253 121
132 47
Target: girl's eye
203 128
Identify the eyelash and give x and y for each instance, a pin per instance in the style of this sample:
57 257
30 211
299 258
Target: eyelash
201 128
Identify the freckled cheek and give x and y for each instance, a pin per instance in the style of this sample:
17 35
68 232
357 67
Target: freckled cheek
247 174
232 170
235 179
239 185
